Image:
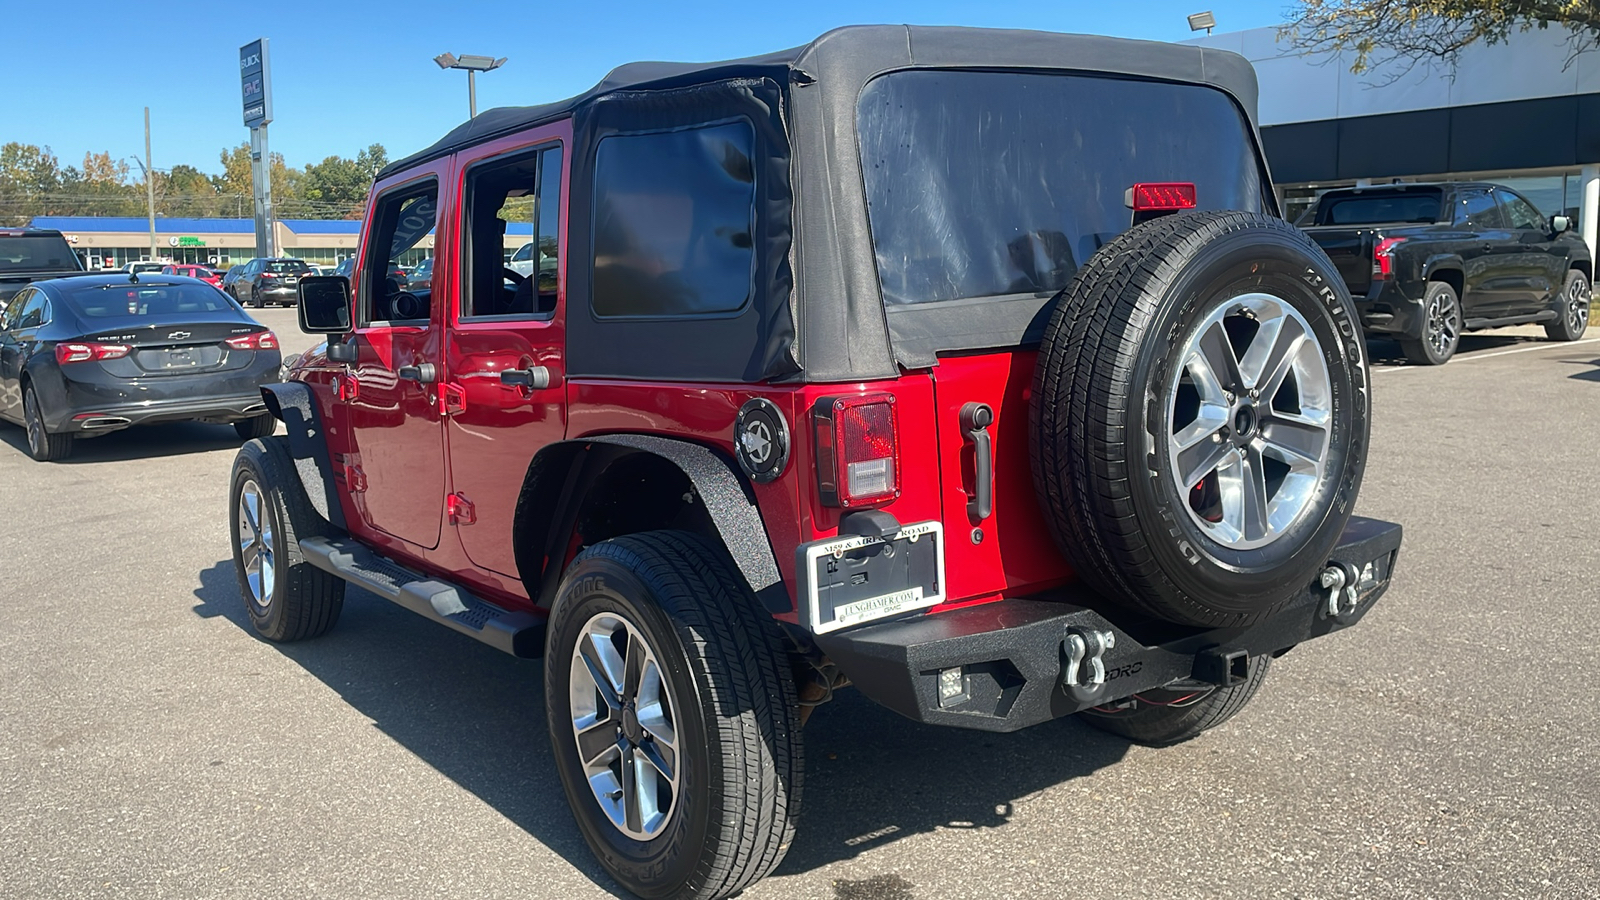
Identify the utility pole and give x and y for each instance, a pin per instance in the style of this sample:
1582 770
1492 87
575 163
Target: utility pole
150 184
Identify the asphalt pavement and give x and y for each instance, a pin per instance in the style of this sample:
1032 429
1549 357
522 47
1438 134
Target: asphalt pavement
152 746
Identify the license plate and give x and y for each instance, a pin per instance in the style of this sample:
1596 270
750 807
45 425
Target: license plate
180 359
851 580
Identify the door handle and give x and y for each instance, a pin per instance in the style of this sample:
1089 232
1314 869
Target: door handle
975 421
422 373
534 378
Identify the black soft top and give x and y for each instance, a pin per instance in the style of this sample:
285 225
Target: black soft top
817 311
840 53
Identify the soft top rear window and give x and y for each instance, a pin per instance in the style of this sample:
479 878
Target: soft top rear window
34 252
989 184
1384 207
144 304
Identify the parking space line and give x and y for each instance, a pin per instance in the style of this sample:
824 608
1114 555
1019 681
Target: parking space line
1466 359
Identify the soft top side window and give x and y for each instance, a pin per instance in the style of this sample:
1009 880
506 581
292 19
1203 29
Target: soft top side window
674 215
402 218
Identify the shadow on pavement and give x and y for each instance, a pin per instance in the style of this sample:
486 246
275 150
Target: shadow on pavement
1387 352
138 442
477 716
1590 374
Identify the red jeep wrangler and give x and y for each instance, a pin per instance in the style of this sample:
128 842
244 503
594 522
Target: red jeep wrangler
971 368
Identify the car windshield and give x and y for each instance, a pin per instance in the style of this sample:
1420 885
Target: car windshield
983 184
286 265
144 304
1379 208
21 253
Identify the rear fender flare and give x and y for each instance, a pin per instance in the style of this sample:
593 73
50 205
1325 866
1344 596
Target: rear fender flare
561 475
293 404
1436 265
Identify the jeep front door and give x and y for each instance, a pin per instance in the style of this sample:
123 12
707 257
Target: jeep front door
506 351
395 471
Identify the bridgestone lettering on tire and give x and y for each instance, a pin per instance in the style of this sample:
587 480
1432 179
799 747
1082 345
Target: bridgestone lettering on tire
1218 347
718 739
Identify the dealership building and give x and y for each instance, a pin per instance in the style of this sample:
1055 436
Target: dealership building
108 242
1524 113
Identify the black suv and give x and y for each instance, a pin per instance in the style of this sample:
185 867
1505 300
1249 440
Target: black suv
269 280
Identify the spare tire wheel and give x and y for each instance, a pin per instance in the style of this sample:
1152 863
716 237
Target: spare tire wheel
1199 417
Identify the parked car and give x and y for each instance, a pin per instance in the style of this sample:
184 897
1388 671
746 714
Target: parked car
87 355
1427 262
33 254
263 281
204 273
143 267
421 277
708 474
346 267
230 276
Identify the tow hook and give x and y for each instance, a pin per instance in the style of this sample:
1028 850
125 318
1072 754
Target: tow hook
1339 580
1083 663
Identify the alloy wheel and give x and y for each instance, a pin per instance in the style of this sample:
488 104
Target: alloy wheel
1578 296
624 723
34 422
1249 420
255 543
1443 331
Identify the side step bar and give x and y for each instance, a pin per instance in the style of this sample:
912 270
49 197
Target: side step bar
517 633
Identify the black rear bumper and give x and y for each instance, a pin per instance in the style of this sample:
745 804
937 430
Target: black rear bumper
1012 653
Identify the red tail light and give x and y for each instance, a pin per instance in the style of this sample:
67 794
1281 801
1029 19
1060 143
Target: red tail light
858 452
1166 195
89 352
258 340
1383 257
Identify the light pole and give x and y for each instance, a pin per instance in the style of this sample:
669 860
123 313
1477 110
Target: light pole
149 183
473 65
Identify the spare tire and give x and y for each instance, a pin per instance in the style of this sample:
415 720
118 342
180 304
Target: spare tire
1199 417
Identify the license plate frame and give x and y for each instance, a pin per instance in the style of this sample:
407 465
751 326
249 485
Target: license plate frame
832 602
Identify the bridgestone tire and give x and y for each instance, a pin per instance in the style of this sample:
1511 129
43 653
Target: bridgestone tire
736 717
301 601
42 445
1160 726
1566 326
1100 419
256 426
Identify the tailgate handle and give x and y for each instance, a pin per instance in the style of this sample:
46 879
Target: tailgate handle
975 421
533 378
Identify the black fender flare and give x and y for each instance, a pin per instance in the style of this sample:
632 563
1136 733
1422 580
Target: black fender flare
561 474
292 403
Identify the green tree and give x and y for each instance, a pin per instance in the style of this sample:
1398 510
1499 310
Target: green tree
1409 32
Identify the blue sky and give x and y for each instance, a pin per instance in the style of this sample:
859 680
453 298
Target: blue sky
348 73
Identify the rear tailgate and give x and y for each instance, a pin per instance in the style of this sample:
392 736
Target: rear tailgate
1350 249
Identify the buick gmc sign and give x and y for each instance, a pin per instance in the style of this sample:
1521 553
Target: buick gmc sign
255 78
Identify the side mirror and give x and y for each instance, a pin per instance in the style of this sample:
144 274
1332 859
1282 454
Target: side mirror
1559 224
324 304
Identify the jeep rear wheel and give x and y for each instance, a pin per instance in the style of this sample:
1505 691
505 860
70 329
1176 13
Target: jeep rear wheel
1199 417
673 717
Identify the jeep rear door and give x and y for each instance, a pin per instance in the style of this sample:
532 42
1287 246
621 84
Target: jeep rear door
505 354
395 472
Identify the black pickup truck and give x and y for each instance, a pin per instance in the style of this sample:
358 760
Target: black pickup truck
1426 262
33 254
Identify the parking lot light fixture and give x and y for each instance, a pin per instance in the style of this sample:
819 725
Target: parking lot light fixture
1202 20
473 65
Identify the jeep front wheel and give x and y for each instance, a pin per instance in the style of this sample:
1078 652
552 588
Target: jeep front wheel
1199 417
673 716
288 598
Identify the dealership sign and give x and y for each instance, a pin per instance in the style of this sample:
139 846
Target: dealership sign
255 78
